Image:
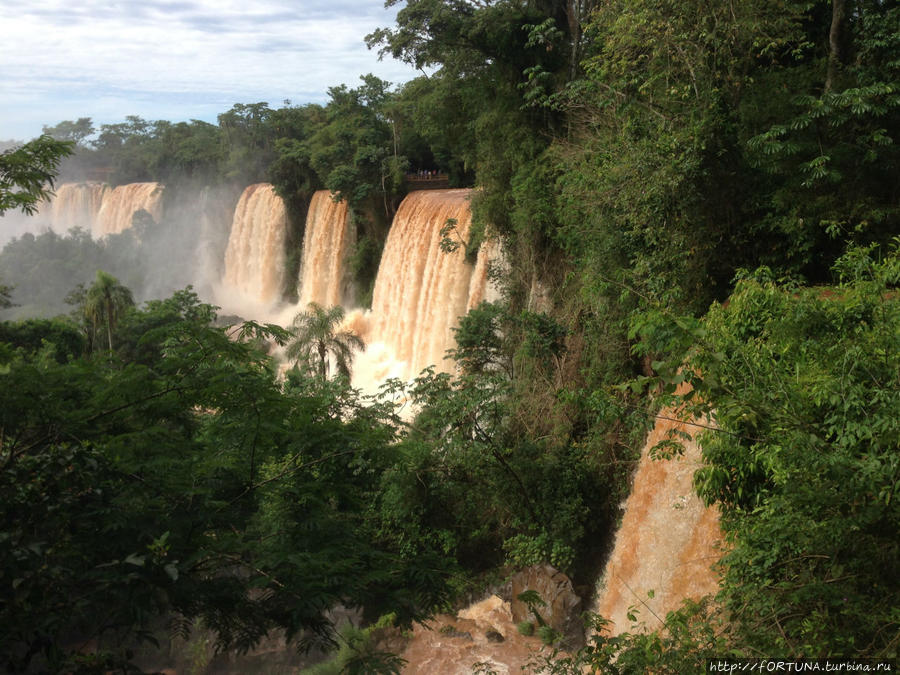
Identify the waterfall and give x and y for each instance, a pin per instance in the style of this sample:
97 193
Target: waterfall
92 206
668 539
255 257
121 203
420 290
75 205
328 239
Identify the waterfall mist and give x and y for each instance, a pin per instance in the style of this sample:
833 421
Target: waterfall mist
154 240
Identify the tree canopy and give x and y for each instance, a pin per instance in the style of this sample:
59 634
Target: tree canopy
175 478
27 173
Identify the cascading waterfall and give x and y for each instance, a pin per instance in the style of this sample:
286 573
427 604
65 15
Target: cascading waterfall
421 290
255 257
93 206
121 203
328 238
75 205
668 539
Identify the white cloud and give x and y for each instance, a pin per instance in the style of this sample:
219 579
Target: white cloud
178 59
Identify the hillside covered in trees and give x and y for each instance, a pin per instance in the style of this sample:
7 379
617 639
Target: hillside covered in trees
684 192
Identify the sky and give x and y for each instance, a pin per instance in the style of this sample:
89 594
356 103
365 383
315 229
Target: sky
178 60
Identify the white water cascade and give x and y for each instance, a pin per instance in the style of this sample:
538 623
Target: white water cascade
255 257
422 290
328 239
119 205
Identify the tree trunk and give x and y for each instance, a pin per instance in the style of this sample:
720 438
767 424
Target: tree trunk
109 325
836 41
323 362
573 14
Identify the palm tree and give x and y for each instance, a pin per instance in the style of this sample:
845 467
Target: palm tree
316 338
104 302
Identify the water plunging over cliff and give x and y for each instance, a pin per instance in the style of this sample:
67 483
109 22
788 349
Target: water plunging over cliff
75 205
667 542
121 203
420 290
93 206
255 257
328 239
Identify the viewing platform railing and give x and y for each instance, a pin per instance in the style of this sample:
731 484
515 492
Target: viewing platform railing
427 181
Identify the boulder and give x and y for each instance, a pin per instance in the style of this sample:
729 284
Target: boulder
563 608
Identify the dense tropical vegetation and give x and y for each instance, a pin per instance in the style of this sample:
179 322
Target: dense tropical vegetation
177 474
684 191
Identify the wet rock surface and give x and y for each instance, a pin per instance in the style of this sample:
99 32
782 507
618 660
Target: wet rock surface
562 608
495 643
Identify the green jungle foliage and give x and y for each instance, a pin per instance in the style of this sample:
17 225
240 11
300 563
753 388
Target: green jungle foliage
806 383
683 191
803 385
27 173
175 475
358 653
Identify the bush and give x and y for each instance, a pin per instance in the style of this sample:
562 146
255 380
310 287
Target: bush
548 635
